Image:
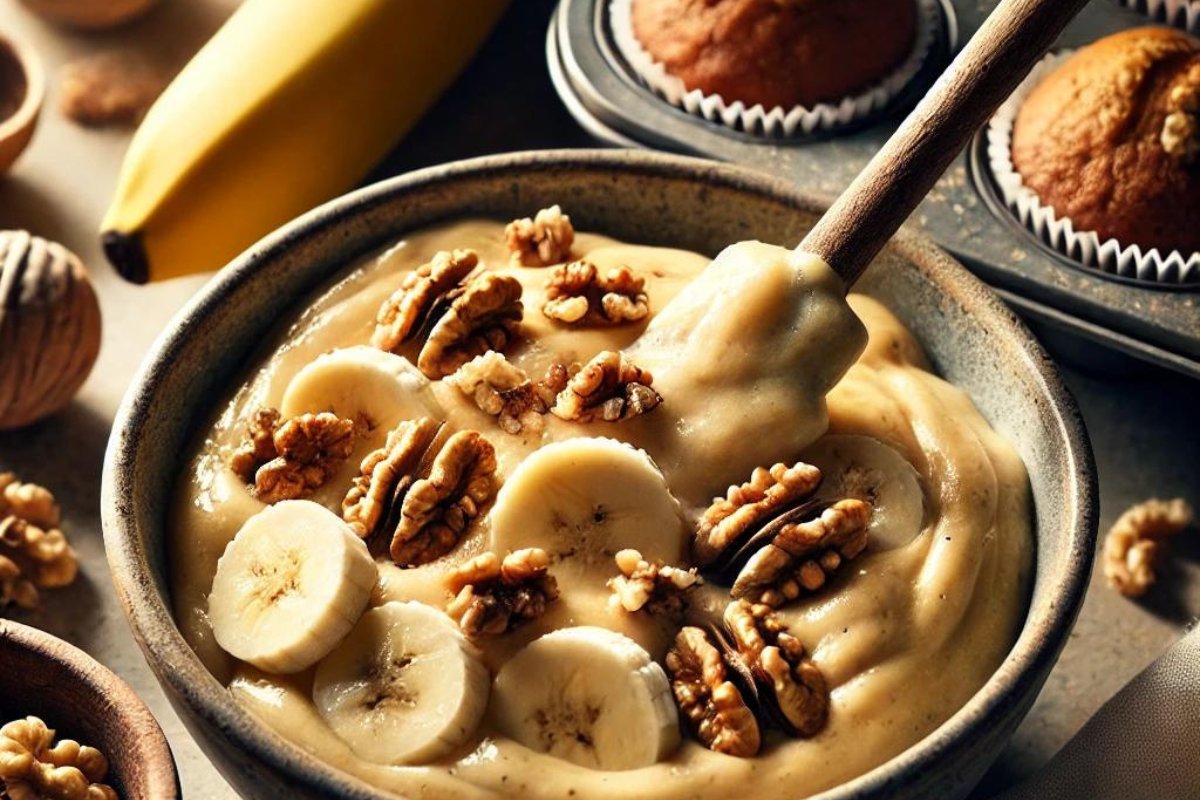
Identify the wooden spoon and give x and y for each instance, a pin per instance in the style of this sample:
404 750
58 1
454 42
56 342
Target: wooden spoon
998 57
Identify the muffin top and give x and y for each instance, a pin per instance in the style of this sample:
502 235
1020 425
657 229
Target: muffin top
777 52
1111 139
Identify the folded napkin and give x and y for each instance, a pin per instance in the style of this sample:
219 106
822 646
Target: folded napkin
1143 743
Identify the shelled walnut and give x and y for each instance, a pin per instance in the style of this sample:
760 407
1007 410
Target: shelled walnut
484 316
34 553
608 388
658 588
408 309
110 88
32 766
1136 545
543 240
774 539
708 698
293 459
427 516
579 293
49 327
492 596
504 391
790 685
802 555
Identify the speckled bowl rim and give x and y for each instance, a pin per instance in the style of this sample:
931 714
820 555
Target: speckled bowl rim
1017 679
150 746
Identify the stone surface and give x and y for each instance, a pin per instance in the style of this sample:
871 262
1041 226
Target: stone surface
1142 424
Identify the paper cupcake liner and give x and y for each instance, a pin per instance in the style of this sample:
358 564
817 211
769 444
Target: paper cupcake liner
1183 14
1085 247
778 121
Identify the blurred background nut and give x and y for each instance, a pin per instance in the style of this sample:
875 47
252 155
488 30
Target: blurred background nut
49 327
89 14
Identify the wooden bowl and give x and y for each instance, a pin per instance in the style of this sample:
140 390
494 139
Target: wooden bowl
80 699
22 90
89 14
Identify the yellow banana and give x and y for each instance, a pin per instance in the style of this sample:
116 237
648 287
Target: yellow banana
288 105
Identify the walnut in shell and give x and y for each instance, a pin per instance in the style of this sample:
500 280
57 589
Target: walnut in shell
609 388
34 553
484 316
49 328
408 309
32 766
580 293
791 688
658 588
1136 545
494 596
708 697
543 240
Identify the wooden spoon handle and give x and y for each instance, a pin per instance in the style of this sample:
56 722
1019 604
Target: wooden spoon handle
998 57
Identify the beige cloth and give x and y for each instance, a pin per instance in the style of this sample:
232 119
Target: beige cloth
1143 743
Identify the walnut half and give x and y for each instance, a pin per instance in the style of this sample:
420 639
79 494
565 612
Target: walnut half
504 391
32 766
708 698
34 553
579 293
658 588
484 316
608 388
493 596
307 452
409 307
1136 545
543 240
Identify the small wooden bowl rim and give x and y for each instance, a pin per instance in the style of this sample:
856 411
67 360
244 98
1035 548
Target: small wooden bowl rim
159 780
35 86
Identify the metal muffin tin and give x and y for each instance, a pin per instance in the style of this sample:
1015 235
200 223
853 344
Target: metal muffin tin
1076 306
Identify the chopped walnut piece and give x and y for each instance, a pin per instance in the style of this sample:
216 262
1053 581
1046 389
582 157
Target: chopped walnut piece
34 553
436 510
310 449
386 475
1137 544
801 556
484 317
112 88
544 240
711 702
746 508
580 294
504 391
409 307
652 585
259 447
790 684
33 767
493 596
608 388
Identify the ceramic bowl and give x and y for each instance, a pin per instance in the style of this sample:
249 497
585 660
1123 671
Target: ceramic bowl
72 693
22 90
972 339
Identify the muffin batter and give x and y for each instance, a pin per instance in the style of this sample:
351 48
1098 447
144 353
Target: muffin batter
904 634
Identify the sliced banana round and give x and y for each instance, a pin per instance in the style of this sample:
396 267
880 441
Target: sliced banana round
404 687
364 384
584 500
290 585
590 696
865 468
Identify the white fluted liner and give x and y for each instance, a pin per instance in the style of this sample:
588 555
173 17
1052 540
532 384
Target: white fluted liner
1110 256
778 121
1183 14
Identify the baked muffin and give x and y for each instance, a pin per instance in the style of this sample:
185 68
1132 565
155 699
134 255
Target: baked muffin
1111 139
777 52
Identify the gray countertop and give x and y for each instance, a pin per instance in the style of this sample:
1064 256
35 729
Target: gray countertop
1142 422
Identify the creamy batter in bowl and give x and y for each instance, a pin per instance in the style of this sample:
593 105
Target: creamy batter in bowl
683 203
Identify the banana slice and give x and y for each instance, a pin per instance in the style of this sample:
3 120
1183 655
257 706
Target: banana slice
583 501
405 687
590 696
289 586
364 384
864 467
